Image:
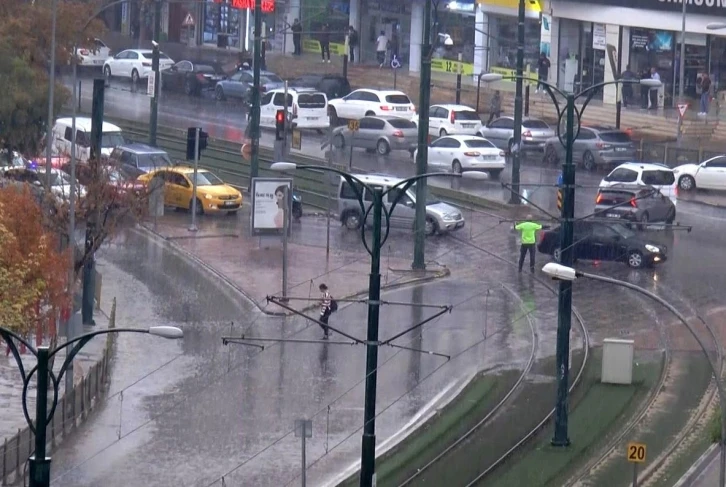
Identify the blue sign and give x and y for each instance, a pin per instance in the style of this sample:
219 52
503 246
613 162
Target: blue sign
560 180
395 63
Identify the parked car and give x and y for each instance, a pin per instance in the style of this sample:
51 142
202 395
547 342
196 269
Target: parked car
134 64
460 153
133 160
191 77
307 108
239 85
333 85
119 187
659 176
213 194
594 146
93 55
635 204
16 159
440 217
500 132
596 240
382 134
111 136
365 102
710 174
452 120
60 183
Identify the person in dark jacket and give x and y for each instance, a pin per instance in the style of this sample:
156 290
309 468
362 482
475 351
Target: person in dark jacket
296 29
543 71
645 74
627 89
495 107
325 309
325 41
352 43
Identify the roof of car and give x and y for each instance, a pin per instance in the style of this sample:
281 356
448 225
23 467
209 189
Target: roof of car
140 51
455 107
183 169
462 138
643 165
376 179
139 148
296 90
511 117
603 128
633 188
84 124
388 118
383 92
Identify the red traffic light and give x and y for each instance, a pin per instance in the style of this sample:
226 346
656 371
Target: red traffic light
280 116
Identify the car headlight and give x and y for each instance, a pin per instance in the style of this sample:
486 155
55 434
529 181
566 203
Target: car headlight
451 216
652 248
208 196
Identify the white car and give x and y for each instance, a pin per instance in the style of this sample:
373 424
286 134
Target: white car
710 174
451 120
60 183
93 55
134 64
466 153
365 103
659 176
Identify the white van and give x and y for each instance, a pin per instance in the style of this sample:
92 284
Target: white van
63 135
659 176
307 106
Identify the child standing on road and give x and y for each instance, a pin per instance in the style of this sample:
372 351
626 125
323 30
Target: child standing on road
326 301
528 229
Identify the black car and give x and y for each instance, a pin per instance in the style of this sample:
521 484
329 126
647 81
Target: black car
191 77
333 85
641 204
133 160
296 205
596 240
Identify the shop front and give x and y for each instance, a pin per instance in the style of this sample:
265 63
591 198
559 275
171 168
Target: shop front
229 24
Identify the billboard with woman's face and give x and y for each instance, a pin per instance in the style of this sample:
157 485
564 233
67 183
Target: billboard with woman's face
271 198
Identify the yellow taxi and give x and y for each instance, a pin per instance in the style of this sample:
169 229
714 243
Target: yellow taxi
213 194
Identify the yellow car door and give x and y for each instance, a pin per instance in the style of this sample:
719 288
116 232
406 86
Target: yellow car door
168 187
183 189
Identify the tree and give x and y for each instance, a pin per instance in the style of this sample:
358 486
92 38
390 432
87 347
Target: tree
33 271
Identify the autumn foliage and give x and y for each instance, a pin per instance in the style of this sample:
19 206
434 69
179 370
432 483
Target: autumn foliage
33 272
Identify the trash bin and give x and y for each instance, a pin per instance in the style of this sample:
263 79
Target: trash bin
617 361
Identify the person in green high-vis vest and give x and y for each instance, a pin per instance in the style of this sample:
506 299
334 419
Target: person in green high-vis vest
528 230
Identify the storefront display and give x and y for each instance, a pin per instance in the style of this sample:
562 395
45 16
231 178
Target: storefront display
222 24
503 44
582 55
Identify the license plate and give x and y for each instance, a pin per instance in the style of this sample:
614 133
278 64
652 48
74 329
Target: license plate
401 109
489 158
229 203
620 149
311 118
612 215
467 125
98 61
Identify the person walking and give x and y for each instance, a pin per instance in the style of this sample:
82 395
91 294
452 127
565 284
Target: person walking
654 90
296 29
327 306
627 89
705 94
543 70
352 43
528 229
645 74
495 106
325 41
381 48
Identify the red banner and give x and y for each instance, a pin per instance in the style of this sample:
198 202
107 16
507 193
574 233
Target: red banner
267 6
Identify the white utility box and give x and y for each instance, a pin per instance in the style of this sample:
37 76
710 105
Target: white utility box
617 361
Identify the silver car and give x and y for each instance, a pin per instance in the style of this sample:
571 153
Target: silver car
500 132
440 217
594 146
382 134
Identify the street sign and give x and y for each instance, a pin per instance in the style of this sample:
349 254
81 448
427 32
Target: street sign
636 452
188 21
246 152
353 125
682 109
395 63
296 139
151 84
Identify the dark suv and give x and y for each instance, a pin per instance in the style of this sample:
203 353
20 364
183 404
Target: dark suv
641 204
133 160
333 85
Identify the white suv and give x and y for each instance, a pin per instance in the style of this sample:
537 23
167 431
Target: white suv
134 64
365 103
452 120
659 176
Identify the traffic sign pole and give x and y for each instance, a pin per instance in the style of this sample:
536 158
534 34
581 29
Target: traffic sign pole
635 475
395 65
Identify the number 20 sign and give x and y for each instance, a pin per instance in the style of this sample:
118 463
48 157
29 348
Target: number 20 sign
636 452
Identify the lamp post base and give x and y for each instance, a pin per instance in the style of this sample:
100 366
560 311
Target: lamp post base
39 472
560 443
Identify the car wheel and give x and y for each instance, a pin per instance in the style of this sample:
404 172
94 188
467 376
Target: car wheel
370 114
351 220
643 221
382 147
456 167
495 173
550 155
588 161
671 216
557 254
430 227
339 141
635 259
687 183
134 76
107 71
443 133
188 88
333 114
219 93
200 208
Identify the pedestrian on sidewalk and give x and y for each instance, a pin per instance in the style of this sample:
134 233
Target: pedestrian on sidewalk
627 89
543 70
296 29
352 43
495 106
381 48
528 229
326 309
654 90
325 41
705 94
645 74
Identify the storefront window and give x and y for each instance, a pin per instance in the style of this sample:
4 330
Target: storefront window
458 21
654 49
582 56
503 43
221 24
696 64
315 13
718 62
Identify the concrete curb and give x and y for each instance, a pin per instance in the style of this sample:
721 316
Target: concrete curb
704 203
697 469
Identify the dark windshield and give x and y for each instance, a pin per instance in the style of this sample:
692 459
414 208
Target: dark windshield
154 160
402 123
466 115
535 124
399 99
205 68
623 231
110 140
617 137
311 100
479 144
205 178
271 78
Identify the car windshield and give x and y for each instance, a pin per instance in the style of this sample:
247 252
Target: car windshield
271 78
466 115
110 140
156 159
430 200
535 124
479 143
150 55
623 231
402 123
398 99
206 178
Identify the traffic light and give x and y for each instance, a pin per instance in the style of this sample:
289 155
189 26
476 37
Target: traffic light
192 142
280 125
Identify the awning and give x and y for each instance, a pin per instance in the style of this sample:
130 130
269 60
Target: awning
533 8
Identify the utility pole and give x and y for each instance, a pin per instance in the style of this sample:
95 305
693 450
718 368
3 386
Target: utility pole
564 302
51 92
516 152
681 72
419 234
255 108
153 118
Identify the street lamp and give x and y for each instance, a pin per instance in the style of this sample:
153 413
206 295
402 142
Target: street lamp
565 273
39 462
368 450
564 305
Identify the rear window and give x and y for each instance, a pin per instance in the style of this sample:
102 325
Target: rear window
205 68
466 115
535 124
149 55
271 78
398 99
614 197
311 100
154 160
347 192
658 178
402 123
617 137
479 144
622 175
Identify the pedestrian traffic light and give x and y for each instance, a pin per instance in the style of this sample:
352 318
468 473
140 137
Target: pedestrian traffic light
192 142
280 125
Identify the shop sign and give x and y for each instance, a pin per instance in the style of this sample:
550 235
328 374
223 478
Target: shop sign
448 66
705 7
651 40
509 74
390 6
598 37
267 6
